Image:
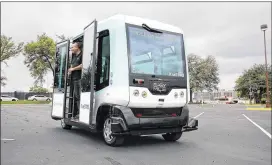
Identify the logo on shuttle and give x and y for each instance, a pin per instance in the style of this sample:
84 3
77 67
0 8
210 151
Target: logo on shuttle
85 106
159 87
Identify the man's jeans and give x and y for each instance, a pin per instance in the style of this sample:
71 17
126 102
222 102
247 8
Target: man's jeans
76 95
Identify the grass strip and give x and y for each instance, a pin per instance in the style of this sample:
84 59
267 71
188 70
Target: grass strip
25 102
259 109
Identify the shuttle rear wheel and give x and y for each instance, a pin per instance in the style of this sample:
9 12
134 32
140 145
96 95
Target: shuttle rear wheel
172 136
108 137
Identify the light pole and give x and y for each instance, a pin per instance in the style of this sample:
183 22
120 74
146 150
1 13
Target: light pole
263 28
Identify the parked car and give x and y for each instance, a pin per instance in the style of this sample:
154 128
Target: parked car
235 101
39 98
8 98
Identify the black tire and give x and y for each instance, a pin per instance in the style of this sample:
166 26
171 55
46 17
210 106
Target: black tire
34 100
48 100
64 125
0 99
13 100
172 136
110 140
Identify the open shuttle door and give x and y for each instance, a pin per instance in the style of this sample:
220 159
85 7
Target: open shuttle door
88 73
60 74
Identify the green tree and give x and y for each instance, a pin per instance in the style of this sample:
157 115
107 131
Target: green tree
253 79
210 73
203 73
8 50
39 56
3 80
38 89
62 38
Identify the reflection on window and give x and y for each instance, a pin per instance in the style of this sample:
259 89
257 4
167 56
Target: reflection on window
105 60
86 79
152 53
105 70
60 67
86 72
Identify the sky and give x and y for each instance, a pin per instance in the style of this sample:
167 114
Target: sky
230 31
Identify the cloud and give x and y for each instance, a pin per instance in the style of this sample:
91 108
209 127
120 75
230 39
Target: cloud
227 81
233 66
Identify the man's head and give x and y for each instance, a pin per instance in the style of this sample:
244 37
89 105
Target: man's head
76 47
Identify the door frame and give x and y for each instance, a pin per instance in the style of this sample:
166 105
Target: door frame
93 71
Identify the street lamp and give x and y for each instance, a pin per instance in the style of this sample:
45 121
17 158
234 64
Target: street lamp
264 28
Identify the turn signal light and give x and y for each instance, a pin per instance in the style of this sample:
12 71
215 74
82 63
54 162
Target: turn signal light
144 94
174 114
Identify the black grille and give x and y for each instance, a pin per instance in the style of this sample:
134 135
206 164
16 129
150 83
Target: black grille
156 112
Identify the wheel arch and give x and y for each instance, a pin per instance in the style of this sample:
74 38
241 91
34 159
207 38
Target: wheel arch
103 112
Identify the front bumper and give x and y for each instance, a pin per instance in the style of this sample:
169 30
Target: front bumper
128 124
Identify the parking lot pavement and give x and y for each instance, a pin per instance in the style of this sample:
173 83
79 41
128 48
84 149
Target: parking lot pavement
224 137
260 117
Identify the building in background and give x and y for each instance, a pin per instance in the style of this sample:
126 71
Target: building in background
209 96
223 93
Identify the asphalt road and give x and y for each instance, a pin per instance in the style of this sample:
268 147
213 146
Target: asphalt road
225 136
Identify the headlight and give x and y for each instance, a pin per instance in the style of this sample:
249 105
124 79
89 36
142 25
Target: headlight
176 95
136 93
181 94
144 94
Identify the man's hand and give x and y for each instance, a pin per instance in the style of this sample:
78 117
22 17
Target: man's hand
70 70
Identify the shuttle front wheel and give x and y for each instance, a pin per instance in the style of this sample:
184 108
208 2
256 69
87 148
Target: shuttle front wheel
110 139
64 125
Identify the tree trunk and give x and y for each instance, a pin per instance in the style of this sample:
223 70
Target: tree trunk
41 82
261 93
255 98
191 95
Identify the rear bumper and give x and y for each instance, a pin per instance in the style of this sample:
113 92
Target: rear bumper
128 124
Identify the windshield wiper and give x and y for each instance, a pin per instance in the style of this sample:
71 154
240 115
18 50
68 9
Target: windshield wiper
150 29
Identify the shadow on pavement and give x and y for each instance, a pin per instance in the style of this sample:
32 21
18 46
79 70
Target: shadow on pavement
130 141
136 141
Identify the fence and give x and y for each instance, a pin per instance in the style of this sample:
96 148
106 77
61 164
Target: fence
25 95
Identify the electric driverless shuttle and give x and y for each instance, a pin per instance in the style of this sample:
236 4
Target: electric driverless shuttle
134 80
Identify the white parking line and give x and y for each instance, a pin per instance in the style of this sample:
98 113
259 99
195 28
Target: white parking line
4 139
198 115
264 131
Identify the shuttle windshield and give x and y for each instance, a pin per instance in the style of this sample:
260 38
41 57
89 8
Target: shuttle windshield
153 53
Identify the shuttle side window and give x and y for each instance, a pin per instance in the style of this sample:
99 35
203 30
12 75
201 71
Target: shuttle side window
60 67
103 62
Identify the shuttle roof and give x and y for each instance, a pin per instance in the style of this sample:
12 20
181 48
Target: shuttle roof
139 21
